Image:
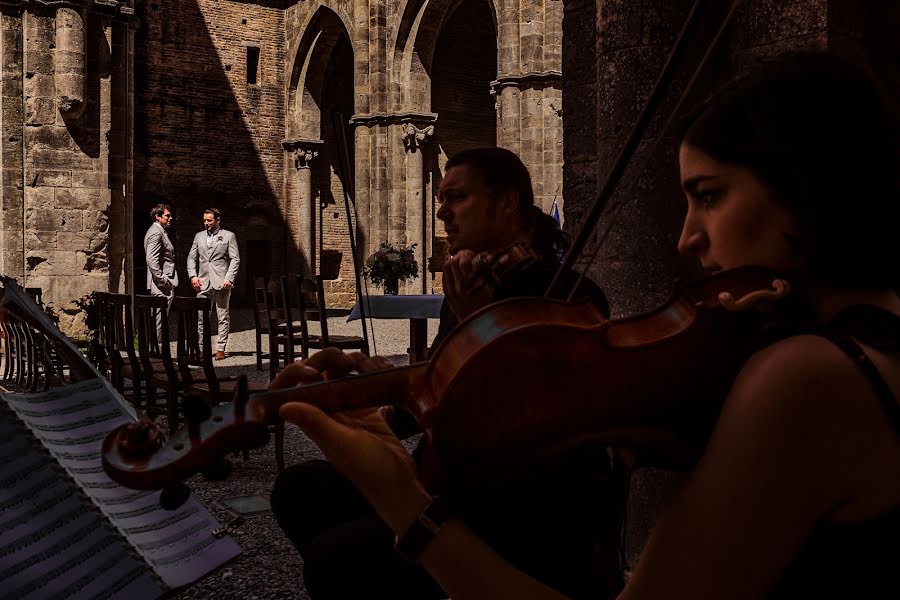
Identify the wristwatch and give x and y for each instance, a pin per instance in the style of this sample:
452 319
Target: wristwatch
414 540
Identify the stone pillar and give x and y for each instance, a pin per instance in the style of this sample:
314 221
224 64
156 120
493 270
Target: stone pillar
419 207
69 59
121 154
529 122
304 152
12 115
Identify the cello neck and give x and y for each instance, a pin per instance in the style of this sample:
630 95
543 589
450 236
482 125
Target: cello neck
376 388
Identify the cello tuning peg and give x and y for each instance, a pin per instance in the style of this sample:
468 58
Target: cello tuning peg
174 496
217 470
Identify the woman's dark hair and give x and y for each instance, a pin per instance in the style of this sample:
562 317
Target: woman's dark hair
820 135
501 171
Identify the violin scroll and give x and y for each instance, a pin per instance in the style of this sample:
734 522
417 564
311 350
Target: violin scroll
138 456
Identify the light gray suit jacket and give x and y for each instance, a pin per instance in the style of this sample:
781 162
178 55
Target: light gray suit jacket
160 254
216 264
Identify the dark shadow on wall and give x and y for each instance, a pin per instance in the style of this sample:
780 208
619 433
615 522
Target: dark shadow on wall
205 137
465 63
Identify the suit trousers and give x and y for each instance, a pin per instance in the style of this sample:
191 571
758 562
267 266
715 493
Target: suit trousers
218 311
170 295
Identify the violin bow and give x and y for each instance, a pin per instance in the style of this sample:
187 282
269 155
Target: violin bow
629 147
346 175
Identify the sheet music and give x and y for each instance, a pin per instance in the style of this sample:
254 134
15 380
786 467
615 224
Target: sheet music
52 545
72 422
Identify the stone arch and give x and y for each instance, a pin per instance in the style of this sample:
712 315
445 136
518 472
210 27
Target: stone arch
413 50
308 70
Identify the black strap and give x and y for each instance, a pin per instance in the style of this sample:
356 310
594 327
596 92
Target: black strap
865 364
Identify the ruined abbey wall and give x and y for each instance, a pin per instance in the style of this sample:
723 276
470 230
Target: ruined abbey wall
107 108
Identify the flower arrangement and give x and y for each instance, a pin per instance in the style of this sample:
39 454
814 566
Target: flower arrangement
389 266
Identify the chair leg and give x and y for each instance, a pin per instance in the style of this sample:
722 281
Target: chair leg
279 444
259 366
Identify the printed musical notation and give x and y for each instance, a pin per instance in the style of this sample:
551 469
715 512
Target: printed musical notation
65 526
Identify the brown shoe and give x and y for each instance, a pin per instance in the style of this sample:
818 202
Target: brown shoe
220 355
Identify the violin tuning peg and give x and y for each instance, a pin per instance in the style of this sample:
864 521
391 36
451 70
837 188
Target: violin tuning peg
195 410
217 470
174 496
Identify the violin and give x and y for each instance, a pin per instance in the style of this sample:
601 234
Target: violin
653 382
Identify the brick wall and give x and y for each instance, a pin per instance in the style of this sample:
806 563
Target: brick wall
204 136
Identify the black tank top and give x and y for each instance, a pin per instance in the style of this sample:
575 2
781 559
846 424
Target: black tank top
854 560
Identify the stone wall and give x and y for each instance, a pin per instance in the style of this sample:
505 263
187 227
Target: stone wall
66 96
208 137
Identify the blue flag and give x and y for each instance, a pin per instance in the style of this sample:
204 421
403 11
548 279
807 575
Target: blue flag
554 212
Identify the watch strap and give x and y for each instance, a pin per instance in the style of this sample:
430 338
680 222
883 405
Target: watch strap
416 538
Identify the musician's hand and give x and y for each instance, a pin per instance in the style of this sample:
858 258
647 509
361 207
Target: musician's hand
360 444
465 285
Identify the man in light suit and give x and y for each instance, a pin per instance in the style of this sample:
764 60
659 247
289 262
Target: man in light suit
213 266
162 278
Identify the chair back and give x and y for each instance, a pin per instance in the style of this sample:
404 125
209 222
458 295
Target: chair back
260 315
116 332
194 351
312 304
294 307
153 345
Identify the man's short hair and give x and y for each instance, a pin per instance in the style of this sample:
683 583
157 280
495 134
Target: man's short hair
158 210
215 212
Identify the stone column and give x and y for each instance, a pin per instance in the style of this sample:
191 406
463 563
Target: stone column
529 122
69 58
304 152
12 115
419 207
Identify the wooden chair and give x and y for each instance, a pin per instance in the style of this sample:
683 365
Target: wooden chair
260 320
155 354
311 293
296 324
281 325
116 333
194 356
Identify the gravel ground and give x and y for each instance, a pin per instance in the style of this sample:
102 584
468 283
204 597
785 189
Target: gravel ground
269 567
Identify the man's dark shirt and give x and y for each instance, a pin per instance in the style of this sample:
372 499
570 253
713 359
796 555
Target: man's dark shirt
550 522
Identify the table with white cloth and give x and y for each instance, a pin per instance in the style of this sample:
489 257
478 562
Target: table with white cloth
418 308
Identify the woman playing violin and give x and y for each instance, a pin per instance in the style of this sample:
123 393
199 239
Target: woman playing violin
793 167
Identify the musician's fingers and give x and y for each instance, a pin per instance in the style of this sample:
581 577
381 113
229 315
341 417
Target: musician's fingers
334 361
466 259
366 363
457 277
316 424
293 375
